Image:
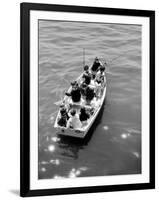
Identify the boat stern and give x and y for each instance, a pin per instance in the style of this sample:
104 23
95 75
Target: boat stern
71 132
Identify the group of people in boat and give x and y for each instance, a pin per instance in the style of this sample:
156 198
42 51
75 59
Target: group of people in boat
70 118
89 87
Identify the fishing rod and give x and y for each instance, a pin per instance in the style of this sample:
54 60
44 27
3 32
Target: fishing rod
57 103
108 62
83 57
116 57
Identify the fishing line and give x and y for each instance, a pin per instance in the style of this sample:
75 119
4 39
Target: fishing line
83 57
108 62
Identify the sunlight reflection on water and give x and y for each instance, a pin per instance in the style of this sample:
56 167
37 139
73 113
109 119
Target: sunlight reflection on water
105 128
136 154
51 148
125 135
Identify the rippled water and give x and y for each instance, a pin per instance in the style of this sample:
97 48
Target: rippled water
114 147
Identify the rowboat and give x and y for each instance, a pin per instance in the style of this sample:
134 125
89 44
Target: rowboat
96 104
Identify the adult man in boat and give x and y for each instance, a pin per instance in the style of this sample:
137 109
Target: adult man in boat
86 75
95 67
75 92
99 81
90 94
84 115
74 121
64 116
100 75
83 87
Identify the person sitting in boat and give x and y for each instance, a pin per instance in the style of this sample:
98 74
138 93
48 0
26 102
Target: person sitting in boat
75 92
95 67
86 69
74 121
86 75
100 75
64 116
83 116
102 69
83 87
90 94
74 84
99 80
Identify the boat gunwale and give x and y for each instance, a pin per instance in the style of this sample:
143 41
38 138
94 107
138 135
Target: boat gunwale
92 118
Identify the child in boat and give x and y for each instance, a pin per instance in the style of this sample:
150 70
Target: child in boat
75 92
74 121
64 116
83 116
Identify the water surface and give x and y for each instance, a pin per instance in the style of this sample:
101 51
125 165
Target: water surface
114 147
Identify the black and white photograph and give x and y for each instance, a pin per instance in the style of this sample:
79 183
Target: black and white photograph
89 99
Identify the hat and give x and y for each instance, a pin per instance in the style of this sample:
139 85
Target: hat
73 83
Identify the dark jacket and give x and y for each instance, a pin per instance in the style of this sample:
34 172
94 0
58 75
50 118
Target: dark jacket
64 113
87 78
83 115
89 94
75 94
83 87
64 117
95 66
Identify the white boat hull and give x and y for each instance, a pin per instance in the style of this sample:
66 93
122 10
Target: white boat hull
82 133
